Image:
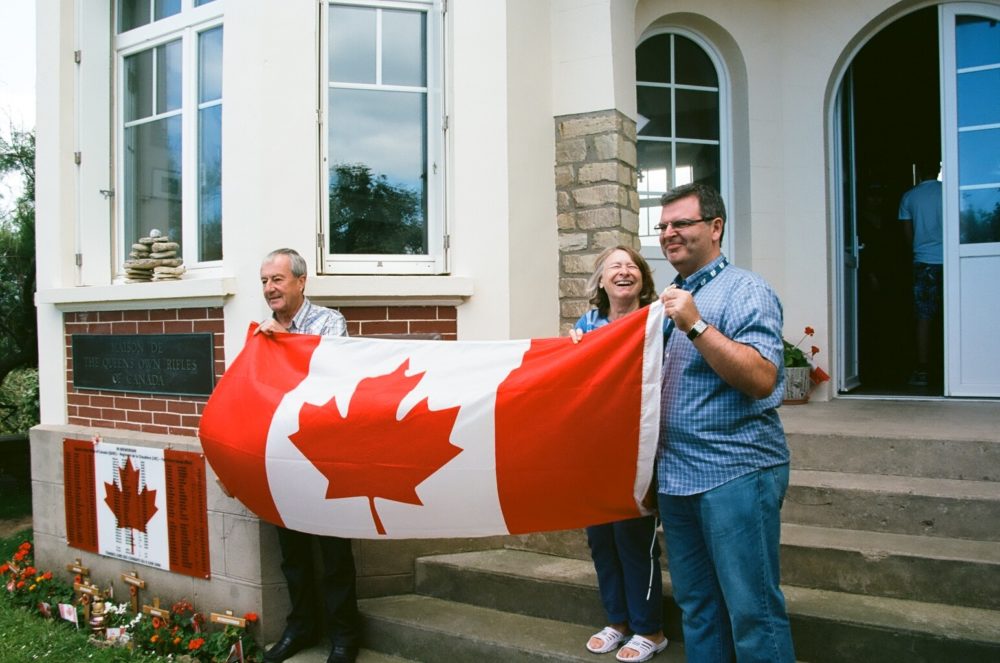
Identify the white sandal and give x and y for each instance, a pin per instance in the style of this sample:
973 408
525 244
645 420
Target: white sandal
647 649
609 637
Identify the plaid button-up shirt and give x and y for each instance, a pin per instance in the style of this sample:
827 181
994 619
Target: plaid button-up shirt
318 320
711 433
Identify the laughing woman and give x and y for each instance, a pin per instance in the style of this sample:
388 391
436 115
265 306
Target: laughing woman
626 553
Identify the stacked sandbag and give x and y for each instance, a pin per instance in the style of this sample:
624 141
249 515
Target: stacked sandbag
154 258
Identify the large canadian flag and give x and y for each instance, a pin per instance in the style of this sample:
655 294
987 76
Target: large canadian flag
376 438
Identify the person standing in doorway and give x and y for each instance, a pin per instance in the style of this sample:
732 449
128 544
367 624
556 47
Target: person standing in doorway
722 462
322 603
921 212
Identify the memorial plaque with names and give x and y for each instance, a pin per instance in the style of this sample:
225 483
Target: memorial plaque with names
79 497
181 364
138 504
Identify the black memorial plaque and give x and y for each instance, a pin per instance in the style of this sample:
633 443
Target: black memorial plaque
180 364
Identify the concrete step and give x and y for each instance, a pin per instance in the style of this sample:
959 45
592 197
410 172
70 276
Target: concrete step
526 583
429 629
833 627
827 626
975 460
925 568
320 653
943 439
904 505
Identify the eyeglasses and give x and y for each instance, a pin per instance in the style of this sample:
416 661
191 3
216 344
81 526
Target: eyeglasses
680 224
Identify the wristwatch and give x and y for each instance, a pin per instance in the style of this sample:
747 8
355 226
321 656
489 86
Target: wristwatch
697 329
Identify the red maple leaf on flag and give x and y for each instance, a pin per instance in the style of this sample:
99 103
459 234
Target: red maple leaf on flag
370 453
132 507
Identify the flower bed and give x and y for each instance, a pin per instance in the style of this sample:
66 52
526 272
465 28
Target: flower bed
181 634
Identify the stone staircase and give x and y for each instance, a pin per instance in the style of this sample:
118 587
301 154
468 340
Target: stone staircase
890 552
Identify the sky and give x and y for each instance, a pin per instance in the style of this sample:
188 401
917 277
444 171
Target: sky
17 77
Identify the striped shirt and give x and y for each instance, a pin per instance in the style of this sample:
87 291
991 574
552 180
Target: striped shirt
710 432
317 320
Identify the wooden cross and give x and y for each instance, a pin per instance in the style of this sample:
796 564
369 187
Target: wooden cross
155 610
227 618
135 583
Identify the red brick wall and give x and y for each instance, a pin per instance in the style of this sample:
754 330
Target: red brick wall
180 415
367 320
149 413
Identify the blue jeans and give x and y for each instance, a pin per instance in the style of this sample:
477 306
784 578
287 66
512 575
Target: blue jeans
626 557
722 550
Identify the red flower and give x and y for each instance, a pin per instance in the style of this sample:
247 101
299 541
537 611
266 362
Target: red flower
157 622
181 607
809 331
815 350
196 643
20 584
4 568
30 571
251 617
19 555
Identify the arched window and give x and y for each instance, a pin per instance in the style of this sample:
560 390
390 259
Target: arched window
681 133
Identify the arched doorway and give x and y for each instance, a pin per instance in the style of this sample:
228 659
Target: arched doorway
905 101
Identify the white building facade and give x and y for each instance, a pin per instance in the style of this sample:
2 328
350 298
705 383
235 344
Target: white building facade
453 167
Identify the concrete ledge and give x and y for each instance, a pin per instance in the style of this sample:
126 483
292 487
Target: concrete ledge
429 629
937 570
828 627
207 290
902 505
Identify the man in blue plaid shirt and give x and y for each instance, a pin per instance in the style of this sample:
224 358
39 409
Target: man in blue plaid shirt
722 464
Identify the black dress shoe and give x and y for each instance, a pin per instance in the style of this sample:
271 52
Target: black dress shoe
288 646
343 654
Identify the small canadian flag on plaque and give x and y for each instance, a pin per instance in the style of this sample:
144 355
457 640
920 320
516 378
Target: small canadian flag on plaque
137 504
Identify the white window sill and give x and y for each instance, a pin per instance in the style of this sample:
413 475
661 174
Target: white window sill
380 290
213 291
185 293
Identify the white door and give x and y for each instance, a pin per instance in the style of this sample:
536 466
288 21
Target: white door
847 290
970 56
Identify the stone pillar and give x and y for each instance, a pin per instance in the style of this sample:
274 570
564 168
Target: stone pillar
597 199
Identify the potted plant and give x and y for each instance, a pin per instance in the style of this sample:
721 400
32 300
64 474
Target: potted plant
800 374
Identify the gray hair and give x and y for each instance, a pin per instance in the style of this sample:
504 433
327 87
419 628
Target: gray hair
298 263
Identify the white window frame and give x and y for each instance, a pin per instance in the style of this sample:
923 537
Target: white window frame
650 238
186 25
435 261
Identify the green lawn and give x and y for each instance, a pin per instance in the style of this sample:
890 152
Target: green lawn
25 636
